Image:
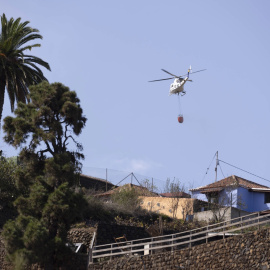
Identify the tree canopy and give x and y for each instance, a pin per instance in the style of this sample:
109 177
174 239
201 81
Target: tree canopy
46 126
18 70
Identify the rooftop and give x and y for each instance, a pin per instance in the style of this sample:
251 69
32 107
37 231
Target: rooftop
95 178
230 181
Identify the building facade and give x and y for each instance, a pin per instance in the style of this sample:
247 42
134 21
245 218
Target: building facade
237 192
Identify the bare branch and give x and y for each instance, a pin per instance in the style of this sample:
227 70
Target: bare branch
49 148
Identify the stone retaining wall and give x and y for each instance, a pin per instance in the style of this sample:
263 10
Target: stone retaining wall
107 232
82 235
73 262
248 251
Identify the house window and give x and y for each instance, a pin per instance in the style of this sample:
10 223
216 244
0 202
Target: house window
158 204
267 197
212 197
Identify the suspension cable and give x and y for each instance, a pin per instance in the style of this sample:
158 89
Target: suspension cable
208 167
244 170
221 171
179 105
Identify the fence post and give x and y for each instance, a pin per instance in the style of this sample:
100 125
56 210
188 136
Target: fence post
91 247
90 257
206 239
111 252
172 243
190 238
151 245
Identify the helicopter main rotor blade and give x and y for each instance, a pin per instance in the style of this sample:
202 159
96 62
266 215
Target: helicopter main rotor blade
161 80
193 72
168 72
198 71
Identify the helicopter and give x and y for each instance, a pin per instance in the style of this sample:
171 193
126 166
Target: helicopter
177 86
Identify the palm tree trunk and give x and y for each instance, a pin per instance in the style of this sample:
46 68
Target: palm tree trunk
2 95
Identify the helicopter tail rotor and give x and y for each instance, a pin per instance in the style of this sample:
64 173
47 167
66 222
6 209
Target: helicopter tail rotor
189 71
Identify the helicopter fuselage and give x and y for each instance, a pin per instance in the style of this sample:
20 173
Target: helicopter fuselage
177 86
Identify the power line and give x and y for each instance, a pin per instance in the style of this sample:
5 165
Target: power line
208 168
123 172
244 170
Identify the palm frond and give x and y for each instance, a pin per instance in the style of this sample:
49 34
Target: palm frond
17 70
29 38
37 60
28 48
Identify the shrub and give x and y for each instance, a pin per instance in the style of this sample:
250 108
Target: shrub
127 198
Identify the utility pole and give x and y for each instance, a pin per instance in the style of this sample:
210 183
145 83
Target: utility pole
216 165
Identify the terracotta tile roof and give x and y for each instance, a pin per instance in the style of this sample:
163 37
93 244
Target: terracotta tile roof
229 181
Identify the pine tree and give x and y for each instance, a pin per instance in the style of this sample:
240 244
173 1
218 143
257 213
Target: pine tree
48 174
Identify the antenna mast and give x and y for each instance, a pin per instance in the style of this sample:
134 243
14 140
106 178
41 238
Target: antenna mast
216 165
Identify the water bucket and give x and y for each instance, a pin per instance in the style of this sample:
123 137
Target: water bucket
180 118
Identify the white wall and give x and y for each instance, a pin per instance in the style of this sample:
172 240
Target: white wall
230 213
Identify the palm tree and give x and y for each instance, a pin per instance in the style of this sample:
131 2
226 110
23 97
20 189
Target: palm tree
17 70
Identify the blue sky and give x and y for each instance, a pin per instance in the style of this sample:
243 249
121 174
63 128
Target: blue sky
108 51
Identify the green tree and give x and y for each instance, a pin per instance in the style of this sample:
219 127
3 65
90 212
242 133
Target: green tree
18 70
8 189
47 175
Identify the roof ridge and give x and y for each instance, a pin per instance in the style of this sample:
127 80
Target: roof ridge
251 181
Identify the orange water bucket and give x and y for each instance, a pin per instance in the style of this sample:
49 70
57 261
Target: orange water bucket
180 119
